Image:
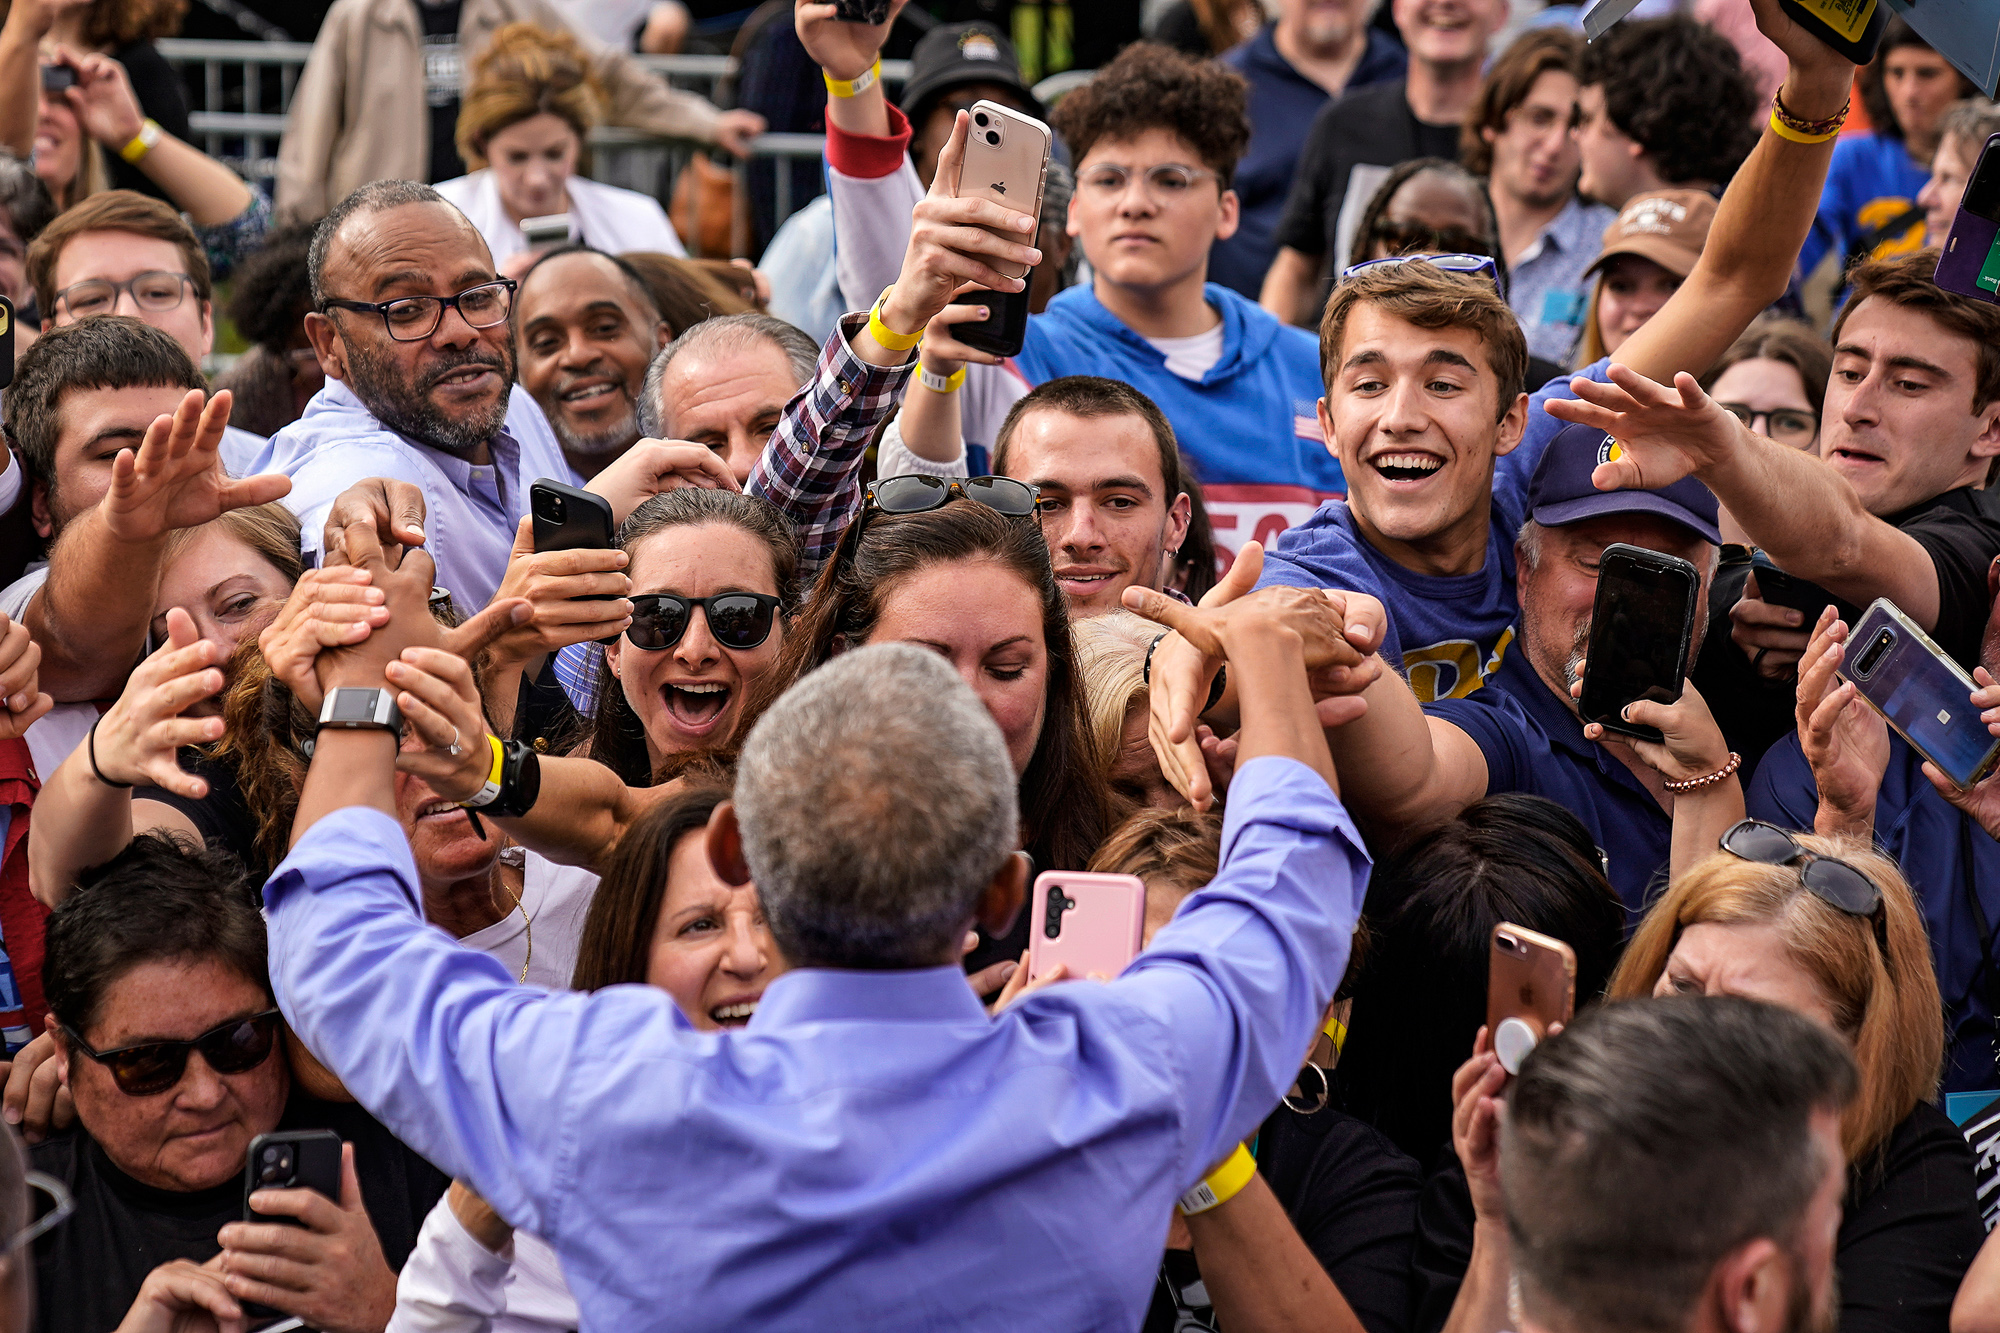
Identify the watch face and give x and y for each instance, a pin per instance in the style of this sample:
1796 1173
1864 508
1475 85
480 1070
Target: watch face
354 705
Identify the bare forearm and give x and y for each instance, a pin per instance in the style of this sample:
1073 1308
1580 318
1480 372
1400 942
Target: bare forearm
20 75
1389 757
79 822
865 113
349 768
1700 820
1481 1306
930 425
582 812
1269 668
1259 1273
205 190
90 618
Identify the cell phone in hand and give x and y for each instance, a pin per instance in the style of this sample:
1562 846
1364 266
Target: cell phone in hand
1004 331
1530 987
1920 691
1969 263
1778 588
1090 923
55 78
568 518
1640 627
289 1160
1006 162
861 11
548 230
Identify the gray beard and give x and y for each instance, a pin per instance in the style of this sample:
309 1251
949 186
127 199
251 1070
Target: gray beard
615 438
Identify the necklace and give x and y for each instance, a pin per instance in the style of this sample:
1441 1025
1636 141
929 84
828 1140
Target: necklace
527 922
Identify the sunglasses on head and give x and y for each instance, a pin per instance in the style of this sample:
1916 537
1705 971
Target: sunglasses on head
1470 265
1829 879
918 494
236 1047
735 619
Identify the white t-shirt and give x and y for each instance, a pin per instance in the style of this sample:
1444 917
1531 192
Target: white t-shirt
1191 358
554 900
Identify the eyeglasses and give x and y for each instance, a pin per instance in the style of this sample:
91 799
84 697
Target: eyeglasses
1787 424
1830 879
1163 183
735 619
916 493
1414 237
414 318
155 289
236 1047
1469 265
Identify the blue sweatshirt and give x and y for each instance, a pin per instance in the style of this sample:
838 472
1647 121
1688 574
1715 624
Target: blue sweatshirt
1447 633
1249 426
1871 181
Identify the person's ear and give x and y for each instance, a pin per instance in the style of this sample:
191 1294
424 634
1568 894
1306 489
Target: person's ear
1225 225
1000 901
663 333
1752 1288
39 509
1179 515
1326 428
207 327
837 646
326 345
1987 443
725 846
611 656
1513 425
1488 133
1070 225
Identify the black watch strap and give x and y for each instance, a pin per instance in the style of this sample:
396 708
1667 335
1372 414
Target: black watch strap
520 780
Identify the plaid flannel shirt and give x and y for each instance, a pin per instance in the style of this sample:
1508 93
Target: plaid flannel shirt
810 469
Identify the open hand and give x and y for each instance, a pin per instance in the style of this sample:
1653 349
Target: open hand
652 466
140 735
1844 739
1664 432
1476 1111
175 478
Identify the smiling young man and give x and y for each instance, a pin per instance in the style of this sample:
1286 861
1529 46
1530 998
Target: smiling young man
586 329
1423 404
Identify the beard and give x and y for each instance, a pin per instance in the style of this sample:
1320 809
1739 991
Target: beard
613 437
405 406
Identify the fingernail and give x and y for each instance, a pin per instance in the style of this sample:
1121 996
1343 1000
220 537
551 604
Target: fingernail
1024 224
417 532
13 1116
984 313
1357 631
1008 969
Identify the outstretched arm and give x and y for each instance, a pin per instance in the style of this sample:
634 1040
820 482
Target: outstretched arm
1762 221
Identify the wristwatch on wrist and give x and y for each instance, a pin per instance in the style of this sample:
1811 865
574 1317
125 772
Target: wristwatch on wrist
367 709
512 791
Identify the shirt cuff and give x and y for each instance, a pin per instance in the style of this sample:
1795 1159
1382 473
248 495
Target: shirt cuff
868 156
854 378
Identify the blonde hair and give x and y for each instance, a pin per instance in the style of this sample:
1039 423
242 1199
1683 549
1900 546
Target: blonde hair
527 71
271 530
1111 662
1888 1008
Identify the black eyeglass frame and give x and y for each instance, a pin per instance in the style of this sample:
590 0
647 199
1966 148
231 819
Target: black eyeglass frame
1748 416
439 305
1832 889
767 604
270 1018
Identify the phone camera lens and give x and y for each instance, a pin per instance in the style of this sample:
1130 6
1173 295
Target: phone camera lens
993 137
981 120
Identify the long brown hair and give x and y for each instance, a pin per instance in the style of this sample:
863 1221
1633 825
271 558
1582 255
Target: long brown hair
265 730
618 930
1887 1007
1785 341
1065 807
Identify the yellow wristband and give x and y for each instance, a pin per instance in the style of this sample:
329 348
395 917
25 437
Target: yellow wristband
142 142
882 333
937 383
856 86
1220 1185
490 793
1785 131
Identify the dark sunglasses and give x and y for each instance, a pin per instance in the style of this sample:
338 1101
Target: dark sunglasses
1409 237
918 494
1830 879
236 1047
735 619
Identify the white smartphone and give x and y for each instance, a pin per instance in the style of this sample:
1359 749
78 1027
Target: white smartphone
1006 161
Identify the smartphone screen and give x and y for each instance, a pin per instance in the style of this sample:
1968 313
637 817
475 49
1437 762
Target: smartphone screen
1639 631
1969 262
1920 692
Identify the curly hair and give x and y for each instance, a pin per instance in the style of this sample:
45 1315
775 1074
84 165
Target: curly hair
1154 87
1679 89
117 23
1507 85
1404 172
273 289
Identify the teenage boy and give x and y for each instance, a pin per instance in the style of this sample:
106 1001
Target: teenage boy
1354 143
1155 137
1665 105
1423 404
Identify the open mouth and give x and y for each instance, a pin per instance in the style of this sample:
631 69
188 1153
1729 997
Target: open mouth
733 1015
465 377
1855 456
1086 581
1406 467
696 705
439 809
586 396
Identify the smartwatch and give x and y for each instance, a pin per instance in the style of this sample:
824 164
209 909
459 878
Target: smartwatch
369 709
511 790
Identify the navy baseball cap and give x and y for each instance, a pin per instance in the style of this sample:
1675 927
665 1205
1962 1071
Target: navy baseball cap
1560 492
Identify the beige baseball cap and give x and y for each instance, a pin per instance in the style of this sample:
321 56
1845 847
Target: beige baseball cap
1668 227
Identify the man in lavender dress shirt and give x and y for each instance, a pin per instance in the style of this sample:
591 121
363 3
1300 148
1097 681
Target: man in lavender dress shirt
872 1151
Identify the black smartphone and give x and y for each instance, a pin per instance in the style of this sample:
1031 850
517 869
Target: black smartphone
568 518
1778 588
55 78
1969 262
1004 331
1640 628
861 11
289 1160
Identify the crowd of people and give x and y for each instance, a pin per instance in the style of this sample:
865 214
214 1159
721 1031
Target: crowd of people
647 911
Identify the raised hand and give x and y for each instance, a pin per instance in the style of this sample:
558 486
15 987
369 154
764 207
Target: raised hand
1773 637
943 354
1982 799
22 702
175 479
440 700
1844 740
380 514
844 50
557 586
1664 432
139 736
1476 1111
329 608
1180 677
652 466
1693 743
102 98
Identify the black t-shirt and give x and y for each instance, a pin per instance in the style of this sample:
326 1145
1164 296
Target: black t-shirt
162 98
89 1269
1353 1197
444 80
1961 531
223 817
1908 1232
1367 127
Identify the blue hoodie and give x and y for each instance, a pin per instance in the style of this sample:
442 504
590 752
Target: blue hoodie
1249 426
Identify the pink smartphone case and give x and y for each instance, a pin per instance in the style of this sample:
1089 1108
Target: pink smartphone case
1099 935
1012 175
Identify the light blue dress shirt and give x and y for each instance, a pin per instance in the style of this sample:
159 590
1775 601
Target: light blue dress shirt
471 512
872 1151
1548 287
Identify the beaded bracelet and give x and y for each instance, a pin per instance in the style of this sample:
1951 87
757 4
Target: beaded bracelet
1706 779
1792 127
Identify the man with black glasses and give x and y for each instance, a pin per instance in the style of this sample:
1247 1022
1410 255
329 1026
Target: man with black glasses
411 326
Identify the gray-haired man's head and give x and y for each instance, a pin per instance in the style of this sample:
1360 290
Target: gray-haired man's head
725 383
1663 1153
878 813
